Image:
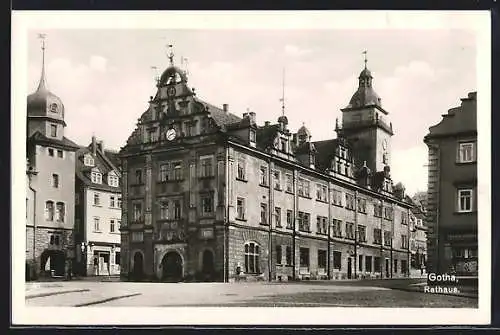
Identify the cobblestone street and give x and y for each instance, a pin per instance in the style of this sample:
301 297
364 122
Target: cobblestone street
311 294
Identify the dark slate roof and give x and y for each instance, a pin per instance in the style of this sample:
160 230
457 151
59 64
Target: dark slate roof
266 135
114 157
220 117
102 162
65 143
325 151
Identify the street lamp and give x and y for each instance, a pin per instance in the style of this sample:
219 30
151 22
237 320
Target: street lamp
83 270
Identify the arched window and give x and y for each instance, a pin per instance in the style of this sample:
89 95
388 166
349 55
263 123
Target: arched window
252 257
49 210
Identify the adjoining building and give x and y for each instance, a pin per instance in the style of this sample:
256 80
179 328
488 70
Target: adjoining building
97 210
418 235
51 184
452 191
208 195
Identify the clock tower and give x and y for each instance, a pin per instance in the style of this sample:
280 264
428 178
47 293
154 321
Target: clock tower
365 124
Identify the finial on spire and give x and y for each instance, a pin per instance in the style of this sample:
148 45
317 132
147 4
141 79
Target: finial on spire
42 83
170 54
366 59
283 95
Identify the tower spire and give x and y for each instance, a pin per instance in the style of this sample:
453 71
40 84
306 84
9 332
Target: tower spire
283 95
366 59
42 84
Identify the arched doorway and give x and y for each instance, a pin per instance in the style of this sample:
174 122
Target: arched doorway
207 269
52 262
171 267
137 271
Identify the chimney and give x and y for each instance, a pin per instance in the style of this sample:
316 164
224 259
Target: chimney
225 107
94 145
267 123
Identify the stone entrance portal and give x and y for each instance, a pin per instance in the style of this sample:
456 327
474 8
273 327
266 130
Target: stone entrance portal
171 267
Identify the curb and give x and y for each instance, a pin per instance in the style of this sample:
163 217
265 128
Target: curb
48 294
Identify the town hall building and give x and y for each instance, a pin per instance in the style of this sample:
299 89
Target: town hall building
212 196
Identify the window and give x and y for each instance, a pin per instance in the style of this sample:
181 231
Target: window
137 236
119 202
387 238
466 152
96 177
361 205
377 236
278 255
55 239
117 258
164 210
88 160
113 180
206 166
49 211
360 262
263 176
60 212
303 187
240 208
349 230
304 221
138 176
207 204
177 209
96 224
377 210
288 255
60 153
289 183
163 172
349 201
112 201
241 169
321 192
151 135
263 213
112 227
53 108
252 136
337 228
304 257
361 233
337 197
277 180
337 260
378 264
97 199
388 212
277 216
395 266
289 219
322 259
321 225
51 152
283 145
137 210
404 218
53 130
404 242
55 180
252 258
368 263
465 200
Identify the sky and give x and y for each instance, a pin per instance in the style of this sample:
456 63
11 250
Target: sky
105 78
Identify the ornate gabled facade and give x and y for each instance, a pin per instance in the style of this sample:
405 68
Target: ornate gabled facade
97 210
208 195
51 171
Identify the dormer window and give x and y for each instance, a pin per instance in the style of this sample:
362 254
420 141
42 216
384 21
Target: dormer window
96 177
283 145
53 108
343 152
252 136
88 160
113 180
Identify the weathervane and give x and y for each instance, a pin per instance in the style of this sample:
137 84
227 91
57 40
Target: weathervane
366 59
42 77
283 94
170 54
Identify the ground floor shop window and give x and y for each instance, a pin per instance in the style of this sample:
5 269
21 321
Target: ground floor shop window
378 265
337 260
288 255
252 258
304 258
368 261
404 266
278 254
322 259
360 262
395 266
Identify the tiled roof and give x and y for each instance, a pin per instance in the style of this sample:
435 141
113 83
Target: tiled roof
325 151
103 163
66 143
266 135
221 117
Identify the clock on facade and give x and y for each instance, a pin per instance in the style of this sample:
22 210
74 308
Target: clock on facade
171 91
171 134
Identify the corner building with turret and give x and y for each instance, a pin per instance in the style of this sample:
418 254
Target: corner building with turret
212 196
